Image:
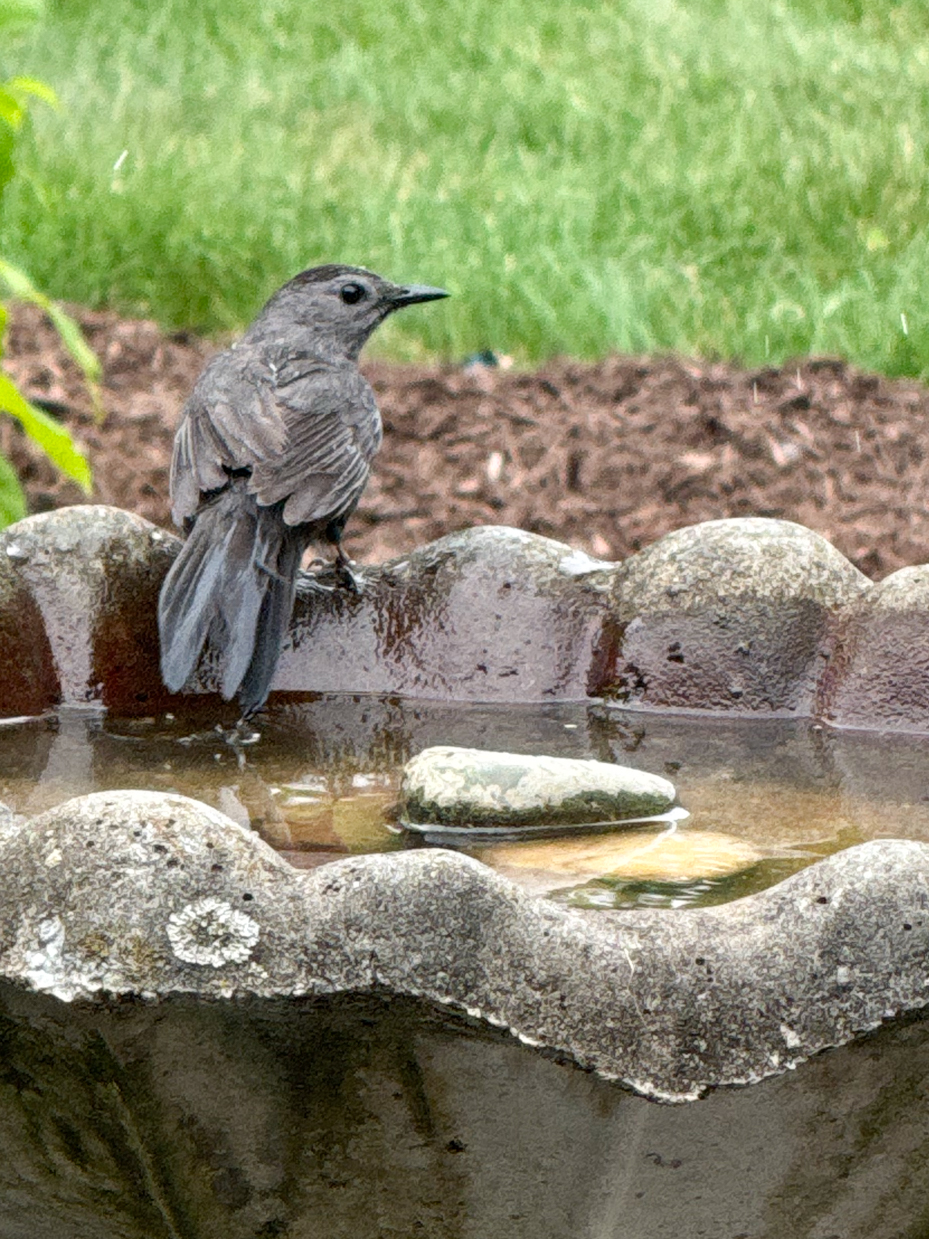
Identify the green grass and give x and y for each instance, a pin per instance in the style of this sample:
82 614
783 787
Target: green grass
745 179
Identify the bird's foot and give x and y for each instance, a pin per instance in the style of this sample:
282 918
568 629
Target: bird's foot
340 572
244 732
345 568
348 578
271 572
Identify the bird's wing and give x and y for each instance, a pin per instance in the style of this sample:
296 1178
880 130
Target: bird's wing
232 420
333 431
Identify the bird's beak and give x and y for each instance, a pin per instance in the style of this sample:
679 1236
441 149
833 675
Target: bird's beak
414 293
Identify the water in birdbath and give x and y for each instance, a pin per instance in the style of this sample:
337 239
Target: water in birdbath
320 781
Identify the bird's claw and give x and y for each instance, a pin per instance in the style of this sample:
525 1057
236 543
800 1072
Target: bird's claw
346 573
342 577
348 579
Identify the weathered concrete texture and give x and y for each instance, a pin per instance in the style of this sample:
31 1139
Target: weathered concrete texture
378 1119
489 614
460 787
142 893
735 616
85 584
879 675
28 674
730 615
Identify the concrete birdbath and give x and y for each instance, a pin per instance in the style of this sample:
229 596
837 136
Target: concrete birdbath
238 999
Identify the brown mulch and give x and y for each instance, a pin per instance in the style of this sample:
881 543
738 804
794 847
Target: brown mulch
605 456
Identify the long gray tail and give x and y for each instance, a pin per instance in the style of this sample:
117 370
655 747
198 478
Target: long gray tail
231 586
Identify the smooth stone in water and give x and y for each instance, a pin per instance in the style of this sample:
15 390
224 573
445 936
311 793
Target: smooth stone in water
473 788
638 856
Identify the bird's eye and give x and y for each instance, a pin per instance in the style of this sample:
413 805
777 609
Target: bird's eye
351 293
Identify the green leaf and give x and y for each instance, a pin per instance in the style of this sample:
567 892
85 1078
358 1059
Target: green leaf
75 343
12 499
21 286
7 169
32 86
11 110
43 430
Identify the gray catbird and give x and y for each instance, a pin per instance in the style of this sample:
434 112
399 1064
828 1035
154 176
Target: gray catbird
271 455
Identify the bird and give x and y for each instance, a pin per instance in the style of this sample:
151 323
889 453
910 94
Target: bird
271 454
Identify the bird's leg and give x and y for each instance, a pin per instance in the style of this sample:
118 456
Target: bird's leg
276 576
243 734
271 572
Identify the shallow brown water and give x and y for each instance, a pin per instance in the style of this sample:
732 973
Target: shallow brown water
320 782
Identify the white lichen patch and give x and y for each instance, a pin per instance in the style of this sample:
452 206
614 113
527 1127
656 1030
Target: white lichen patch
47 967
210 931
792 1039
44 960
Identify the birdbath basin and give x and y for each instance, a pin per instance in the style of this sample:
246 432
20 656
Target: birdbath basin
236 1002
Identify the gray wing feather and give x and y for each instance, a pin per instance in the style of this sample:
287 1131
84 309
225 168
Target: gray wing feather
231 421
306 428
333 431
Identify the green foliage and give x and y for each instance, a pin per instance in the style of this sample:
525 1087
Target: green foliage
23 289
746 179
42 429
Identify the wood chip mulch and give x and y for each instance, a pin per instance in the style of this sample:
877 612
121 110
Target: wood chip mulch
604 456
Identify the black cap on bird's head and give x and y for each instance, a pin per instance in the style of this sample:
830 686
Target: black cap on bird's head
338 306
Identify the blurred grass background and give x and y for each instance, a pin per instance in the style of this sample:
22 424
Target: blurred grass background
744 179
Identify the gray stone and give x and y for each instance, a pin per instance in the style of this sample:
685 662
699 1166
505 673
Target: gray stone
879 673
131 893
730 615
466 788
86 581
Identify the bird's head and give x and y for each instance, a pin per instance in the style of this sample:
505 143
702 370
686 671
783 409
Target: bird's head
336 308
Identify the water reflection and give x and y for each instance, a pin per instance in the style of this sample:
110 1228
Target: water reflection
321 780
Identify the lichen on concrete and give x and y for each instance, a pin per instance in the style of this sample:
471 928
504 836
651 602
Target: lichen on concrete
210 931
671 1005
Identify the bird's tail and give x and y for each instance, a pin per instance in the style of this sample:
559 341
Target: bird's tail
232 585
280 549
